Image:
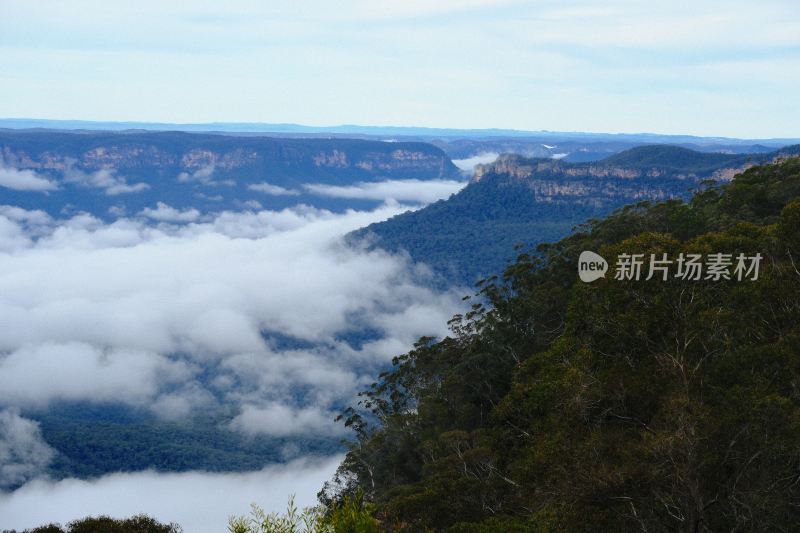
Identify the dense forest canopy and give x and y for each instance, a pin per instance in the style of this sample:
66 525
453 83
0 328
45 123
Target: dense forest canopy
528 201
618 405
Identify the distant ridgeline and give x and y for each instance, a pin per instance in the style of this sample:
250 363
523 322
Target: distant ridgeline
95 171
522 201
578 148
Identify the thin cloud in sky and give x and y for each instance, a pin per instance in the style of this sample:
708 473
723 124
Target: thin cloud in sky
393 9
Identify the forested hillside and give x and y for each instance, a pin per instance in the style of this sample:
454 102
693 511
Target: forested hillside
620 405
518 200
129 440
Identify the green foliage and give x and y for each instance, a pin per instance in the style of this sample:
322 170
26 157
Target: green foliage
105 524
350 515
293 521
128 441
612 406
473 233
674 158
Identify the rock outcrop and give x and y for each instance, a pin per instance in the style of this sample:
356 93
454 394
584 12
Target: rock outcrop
246 158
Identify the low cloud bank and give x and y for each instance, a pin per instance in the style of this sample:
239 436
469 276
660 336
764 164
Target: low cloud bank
204 175
105 179
468 165
200 502
24 180
23 453
240 310
166 213
273 190
415 191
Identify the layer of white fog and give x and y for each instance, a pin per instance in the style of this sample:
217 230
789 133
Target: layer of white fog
177 312
199 502
415 191
468 164
410 191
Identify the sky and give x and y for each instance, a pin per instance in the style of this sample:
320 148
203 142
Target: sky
705 67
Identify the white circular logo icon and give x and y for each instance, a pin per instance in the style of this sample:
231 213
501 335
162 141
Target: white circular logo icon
591 267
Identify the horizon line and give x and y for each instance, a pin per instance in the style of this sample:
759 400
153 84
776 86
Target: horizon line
296 128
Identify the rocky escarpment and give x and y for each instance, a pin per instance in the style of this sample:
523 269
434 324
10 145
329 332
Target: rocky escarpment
520 168
282 161
643 173
556 182
113 174
657 161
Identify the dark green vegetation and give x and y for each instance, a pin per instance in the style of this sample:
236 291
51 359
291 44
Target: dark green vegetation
93 440
613 406
349 515
529 201
105 524
473 233
676 159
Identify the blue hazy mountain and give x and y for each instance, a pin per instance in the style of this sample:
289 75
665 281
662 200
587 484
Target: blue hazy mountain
382 131
457 143
98 171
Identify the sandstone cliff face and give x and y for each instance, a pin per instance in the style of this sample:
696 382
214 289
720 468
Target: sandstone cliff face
334 158
605 183
727 174
331 160
520 168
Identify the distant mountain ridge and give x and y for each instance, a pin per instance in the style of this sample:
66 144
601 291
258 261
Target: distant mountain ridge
461 145
674 158
527 201
355 129
206 171
283 160
652 161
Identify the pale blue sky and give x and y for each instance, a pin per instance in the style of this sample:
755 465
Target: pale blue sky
704 67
